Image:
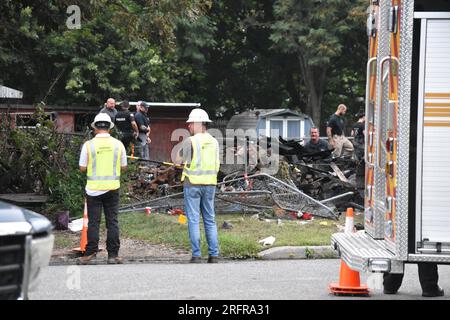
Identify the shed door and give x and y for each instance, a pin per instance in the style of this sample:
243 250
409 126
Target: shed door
433 163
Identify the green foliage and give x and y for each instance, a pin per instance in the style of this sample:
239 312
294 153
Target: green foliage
229 55
123 49
41 160
317 32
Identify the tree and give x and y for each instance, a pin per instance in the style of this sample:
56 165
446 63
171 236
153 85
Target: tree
232 66
123 49
315 31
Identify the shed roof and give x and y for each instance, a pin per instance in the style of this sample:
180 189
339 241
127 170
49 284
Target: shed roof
249 119
6 92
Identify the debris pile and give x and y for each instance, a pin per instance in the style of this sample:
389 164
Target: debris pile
307 184
154 181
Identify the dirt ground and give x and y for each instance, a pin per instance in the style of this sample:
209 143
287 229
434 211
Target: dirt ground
132 251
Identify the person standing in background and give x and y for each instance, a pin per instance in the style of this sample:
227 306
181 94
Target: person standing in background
110 109
126 125
143 123
336 133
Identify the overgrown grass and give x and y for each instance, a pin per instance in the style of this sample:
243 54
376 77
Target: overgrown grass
239 242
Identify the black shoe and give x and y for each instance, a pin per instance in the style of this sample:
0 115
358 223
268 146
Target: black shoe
431 294
386 291
213 259
196 260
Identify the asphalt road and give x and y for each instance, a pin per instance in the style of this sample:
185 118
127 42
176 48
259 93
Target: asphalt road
243 280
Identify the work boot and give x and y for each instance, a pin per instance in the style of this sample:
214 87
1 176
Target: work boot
195 260
389 291
430 294
213 259
114 260
87 259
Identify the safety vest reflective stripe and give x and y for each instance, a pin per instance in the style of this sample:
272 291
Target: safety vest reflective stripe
199 172
100 178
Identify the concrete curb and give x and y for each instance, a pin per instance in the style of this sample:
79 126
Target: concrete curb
275 253
306 252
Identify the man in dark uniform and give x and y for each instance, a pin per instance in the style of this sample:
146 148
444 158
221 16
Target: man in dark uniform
336 135
126 125
428 277
358 135
143 123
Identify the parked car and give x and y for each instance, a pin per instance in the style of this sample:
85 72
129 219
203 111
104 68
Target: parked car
26 243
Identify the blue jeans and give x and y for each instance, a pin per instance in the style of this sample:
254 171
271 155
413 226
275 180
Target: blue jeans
142 151
201 199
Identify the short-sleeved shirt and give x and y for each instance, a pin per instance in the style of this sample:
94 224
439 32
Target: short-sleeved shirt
141 119
110 112
337 124
358 129
321 145
123 121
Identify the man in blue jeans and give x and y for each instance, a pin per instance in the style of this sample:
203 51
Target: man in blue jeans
201 165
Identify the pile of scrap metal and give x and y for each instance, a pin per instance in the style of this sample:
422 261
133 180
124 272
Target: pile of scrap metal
323 177
306 184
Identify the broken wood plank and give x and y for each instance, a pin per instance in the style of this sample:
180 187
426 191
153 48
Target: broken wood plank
338 172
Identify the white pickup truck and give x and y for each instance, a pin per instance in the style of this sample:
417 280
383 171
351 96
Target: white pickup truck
26 243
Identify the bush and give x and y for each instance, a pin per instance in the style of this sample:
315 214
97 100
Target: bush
43 161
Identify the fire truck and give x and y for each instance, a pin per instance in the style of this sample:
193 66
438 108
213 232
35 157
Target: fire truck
407 139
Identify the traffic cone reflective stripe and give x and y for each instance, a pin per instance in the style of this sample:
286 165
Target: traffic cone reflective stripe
349 281
349 221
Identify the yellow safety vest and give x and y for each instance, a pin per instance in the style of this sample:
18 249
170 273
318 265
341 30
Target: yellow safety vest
103 170
205 161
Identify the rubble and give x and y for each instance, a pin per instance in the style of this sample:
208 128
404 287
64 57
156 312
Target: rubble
307 184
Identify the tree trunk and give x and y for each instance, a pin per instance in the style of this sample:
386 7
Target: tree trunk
315 79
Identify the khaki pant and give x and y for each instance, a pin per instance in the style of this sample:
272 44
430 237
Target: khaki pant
342 146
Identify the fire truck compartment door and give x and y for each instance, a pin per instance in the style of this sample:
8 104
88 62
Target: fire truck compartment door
433 144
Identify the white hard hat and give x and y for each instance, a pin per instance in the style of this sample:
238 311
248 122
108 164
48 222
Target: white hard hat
198 115
102 117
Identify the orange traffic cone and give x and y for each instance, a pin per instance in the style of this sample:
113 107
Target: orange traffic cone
349 221
349 281
83 241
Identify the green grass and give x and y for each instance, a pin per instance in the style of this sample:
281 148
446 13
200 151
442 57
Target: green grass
239 242
63 240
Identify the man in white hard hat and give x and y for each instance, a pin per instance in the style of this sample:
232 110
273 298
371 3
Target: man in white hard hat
102 158
201 165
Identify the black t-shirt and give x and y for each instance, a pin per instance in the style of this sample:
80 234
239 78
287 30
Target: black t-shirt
123 121
141 119
337 124
358 130
321 145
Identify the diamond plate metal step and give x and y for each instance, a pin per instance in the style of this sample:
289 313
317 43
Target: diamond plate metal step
357 248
